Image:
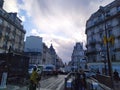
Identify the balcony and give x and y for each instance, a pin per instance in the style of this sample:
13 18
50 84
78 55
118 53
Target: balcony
92 51
117 35
108 15
109 27
99 42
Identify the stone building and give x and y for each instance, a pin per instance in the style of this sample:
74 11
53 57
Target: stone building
102 30
11 32
78 59
34 49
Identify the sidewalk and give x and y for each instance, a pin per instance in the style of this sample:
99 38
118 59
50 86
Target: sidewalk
14 87
116 85
94 84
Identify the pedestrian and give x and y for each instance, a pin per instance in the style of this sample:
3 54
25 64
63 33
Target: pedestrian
116 75
98 72
34 79
83 84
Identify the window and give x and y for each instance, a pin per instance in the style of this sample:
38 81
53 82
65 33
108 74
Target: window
108 13
0 34
118 9
1 21
101 35
109 24
109 33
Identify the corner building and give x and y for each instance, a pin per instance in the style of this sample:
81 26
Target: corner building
105 21
11 32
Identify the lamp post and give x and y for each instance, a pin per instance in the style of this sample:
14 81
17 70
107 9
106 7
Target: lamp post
107 46
104 61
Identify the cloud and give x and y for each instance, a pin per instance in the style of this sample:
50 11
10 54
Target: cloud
11 6
62 21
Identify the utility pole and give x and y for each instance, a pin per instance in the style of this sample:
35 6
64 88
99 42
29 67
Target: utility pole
107 46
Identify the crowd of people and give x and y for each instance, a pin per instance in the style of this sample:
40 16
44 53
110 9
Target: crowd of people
80 81
116 76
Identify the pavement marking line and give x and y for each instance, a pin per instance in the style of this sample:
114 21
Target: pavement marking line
48 81
60 85
52 84
59 80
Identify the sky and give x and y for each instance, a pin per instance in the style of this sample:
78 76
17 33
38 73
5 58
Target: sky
60 22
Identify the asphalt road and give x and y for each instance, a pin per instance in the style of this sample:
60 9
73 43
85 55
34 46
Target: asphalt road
53 83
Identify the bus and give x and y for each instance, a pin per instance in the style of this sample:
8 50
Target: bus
49 69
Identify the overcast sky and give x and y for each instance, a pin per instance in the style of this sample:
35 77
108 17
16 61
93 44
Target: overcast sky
60 22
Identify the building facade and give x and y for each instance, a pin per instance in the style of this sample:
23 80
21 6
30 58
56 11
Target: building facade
46 56
11 32
53 55
34 49
39 53
50 57
78 59
33 44
102 29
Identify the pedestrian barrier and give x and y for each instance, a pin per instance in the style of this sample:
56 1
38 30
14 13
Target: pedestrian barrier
106 80
93 84
69 82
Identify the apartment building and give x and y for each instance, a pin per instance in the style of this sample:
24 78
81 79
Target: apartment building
34 49
11 32
46 56
102 29
78 59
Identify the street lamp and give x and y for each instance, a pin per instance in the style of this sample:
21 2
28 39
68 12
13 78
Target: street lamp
107 45
104 61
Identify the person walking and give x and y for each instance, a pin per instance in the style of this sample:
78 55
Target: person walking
83 85
116 75
34 79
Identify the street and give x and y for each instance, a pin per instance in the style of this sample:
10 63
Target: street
53 83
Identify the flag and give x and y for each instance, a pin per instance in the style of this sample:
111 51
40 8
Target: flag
111 39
